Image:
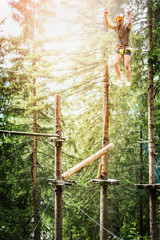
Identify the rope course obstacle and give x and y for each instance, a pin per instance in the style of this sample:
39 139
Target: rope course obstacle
61 178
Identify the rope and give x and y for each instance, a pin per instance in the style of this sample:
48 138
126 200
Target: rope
24 179
133 111
123 169
40 219
92 218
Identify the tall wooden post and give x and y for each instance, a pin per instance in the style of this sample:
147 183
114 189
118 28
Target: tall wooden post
103 188
105 140
151 145
35 180
141 199
58 171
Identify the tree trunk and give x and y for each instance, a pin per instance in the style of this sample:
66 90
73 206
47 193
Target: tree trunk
58 171
105 141
141 198
151 147
35 180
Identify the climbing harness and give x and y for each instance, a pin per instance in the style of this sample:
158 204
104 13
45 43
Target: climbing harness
123 48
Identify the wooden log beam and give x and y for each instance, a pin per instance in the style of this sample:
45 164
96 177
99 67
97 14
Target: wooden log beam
28 133
87 161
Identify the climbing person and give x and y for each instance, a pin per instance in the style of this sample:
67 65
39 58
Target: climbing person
123 48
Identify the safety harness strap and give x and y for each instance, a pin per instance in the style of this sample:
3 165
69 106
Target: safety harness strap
120 45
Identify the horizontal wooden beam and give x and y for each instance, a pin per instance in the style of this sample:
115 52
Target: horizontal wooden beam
61 182
147 186
28 133
87 161
108 181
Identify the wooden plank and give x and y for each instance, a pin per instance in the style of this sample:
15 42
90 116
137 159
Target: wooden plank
61 182
87 161
147 186
108 181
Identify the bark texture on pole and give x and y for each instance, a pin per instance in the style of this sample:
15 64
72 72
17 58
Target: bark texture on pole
105 141
105 114
141 198
151 145
58 213
58 145
35 181
152 178
58 171
103 212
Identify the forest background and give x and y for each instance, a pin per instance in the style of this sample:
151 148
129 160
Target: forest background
59 48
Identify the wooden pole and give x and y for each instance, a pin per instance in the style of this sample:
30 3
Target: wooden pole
28 134
105 114
58 171
87 161
151 145
35 179
141 198
105 142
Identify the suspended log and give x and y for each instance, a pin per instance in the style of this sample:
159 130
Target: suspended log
87 161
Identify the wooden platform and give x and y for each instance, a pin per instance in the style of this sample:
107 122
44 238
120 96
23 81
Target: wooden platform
147 186
61 182
105 182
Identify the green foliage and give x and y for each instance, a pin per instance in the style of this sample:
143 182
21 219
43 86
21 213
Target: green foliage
15 190
130 232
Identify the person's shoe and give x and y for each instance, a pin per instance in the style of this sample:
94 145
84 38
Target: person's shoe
118 83
128 84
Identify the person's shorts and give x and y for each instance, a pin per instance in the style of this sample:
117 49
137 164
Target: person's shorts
123 52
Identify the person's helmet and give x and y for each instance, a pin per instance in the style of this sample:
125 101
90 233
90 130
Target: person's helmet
119 18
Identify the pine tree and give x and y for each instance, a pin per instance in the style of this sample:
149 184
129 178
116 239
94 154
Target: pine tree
15 184
30 15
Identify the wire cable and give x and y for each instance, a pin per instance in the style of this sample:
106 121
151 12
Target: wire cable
133 111
24 179
40 219
92 218
123 169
